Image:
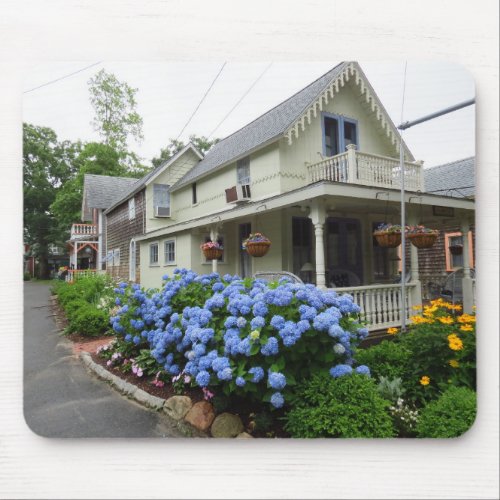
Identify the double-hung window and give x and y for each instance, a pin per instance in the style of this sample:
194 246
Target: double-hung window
153 254
131 208
169 248
338 133
243 170
161 200
116 257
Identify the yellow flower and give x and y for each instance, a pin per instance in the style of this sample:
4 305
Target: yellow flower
420 319
425 380
466 318
416 308
392 331
446 320
453 363
466 328
455 343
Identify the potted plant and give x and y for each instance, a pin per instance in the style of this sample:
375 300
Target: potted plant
257 245
212 250
421 236
388 235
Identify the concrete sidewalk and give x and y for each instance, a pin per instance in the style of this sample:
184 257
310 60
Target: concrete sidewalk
61 399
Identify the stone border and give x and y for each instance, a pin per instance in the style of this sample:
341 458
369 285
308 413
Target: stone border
192 420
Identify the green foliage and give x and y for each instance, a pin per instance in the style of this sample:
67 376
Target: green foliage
89 321
387 359
389 389
263 421
115 107
202 143
26 276
449 416
348 407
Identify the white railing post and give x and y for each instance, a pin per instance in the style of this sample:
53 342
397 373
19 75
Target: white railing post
351 161
467 285
318 216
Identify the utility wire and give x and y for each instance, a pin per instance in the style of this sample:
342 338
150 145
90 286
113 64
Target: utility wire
241 99
202 99
62 78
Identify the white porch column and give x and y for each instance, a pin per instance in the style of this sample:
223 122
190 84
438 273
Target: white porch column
416 292
467 292
213 237
351 161
99 241
318 216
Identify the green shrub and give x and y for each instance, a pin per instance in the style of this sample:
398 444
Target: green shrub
389 389
449 416
27 277
73 306
88 320
387 359
348 407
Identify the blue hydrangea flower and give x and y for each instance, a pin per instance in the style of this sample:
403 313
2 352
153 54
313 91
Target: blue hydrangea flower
363 370
335 331
226 374
277 400
257 372
203 378
276 380
257 322
339 349
340 371
270 348
240 381
277 322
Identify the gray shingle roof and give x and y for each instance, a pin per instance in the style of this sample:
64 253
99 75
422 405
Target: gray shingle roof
456 179
101 190
267 127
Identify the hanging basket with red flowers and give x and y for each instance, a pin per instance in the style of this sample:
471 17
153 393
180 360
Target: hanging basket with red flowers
256 245
212 250
421 236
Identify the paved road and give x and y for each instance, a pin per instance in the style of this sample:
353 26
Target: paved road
61 399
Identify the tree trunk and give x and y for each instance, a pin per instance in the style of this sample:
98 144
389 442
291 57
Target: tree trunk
43 268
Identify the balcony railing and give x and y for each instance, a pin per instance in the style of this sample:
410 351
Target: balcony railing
78 230
368 169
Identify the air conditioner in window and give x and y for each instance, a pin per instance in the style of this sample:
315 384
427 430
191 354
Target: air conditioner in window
162 211
238 193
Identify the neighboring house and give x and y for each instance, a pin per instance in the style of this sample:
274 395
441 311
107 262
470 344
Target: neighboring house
87 244
455 179
316 174
143 206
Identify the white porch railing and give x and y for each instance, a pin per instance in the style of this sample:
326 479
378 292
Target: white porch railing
83 230
74 274
380 304
355 167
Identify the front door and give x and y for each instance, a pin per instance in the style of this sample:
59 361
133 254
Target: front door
244 231
343 252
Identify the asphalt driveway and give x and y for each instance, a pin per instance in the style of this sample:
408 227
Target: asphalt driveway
61 399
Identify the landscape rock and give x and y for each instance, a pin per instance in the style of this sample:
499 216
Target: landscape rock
244 435
201 415
176 407
227 425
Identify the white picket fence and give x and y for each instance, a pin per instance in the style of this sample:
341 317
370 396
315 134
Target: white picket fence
381 304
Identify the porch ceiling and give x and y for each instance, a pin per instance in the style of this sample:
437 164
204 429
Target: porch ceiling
342 197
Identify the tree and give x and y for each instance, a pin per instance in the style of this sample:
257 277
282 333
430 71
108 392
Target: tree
115 106
202 143
47 165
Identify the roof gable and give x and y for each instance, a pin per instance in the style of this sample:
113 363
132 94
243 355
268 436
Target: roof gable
289 118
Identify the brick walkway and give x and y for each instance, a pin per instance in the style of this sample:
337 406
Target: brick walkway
91 345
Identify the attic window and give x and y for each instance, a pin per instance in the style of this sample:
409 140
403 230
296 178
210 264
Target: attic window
131 208
161 195
338 133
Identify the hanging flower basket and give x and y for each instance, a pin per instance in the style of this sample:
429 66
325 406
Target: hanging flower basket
456 249
422 237
388 235
212 250
256 245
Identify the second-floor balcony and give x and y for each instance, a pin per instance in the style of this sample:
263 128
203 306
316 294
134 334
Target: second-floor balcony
356 167
83 230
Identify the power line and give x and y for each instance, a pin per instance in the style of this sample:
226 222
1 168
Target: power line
241 99
62 78
202 99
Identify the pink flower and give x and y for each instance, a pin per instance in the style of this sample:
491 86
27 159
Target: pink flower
109 363
187 379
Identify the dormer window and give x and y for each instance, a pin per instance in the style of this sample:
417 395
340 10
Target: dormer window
338 133
161 200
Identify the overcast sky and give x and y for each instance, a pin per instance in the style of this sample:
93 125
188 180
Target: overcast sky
168 93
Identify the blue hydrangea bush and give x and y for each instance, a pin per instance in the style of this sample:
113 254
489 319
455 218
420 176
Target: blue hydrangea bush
244 337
